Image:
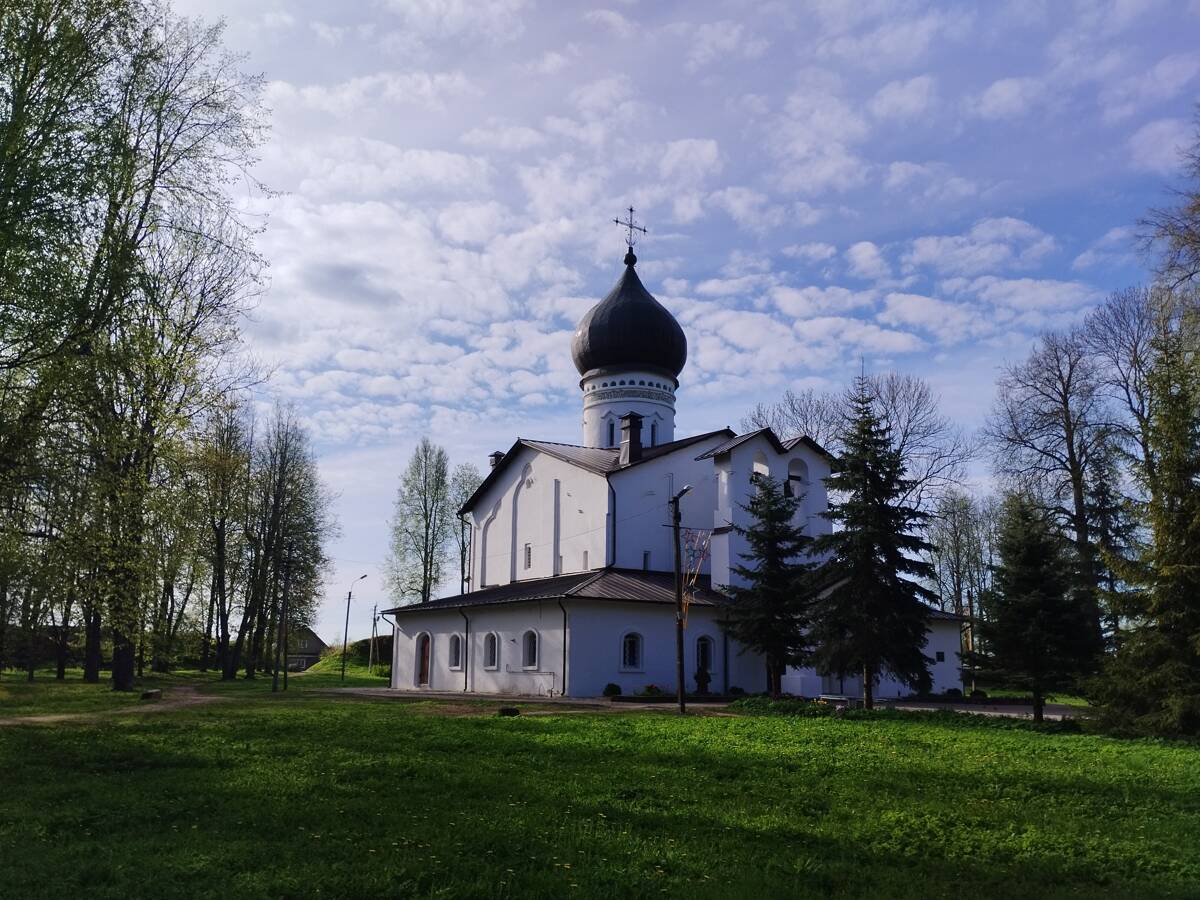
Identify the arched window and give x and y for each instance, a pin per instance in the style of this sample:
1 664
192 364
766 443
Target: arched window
529 650
424 651
612 434
491 651
455 651
631 652
704 654
797 478
653 434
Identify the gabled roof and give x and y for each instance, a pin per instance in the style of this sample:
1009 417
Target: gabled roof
630 585
778 445
599 460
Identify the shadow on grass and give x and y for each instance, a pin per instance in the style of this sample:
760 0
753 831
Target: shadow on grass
268 799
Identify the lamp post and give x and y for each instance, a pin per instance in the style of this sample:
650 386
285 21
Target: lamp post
679 686
346 629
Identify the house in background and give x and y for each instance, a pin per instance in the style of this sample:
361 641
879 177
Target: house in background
304 649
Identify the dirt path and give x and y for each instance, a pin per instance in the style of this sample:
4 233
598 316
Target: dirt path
178 697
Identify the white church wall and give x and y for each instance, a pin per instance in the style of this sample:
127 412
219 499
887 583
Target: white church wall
607 397
598 630
642 496
734 471
557 510
508 623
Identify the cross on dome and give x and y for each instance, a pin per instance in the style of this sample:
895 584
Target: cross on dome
630 225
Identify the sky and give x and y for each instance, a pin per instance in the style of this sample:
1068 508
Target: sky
920 186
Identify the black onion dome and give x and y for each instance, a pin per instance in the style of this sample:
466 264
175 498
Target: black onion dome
629 329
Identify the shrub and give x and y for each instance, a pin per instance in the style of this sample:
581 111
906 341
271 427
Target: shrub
612 690
652 690
977 694
953 694
735 691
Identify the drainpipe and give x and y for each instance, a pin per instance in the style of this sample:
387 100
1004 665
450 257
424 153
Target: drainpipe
564 643
466 649
724 662
612 504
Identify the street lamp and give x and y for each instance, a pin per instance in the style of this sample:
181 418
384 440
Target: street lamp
346 630
679 686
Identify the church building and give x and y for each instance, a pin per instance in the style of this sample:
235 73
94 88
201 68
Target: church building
571 569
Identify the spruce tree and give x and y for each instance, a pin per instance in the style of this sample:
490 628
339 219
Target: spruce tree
1152 684
769 614
869 617
1034 636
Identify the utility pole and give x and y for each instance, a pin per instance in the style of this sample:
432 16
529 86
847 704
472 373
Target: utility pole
374 635
679 685
346 628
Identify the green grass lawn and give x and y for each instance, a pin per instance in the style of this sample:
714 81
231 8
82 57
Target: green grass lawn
312 795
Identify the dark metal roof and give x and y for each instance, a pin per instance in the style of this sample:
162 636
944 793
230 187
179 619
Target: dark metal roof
780 446
600 460
629 329
604 584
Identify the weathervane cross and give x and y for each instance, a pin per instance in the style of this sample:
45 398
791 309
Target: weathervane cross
630 226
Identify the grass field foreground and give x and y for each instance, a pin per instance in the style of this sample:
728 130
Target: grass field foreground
311 795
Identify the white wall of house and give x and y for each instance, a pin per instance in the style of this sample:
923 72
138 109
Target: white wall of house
508 623
557 510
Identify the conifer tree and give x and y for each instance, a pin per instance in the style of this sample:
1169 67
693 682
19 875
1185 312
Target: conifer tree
770 613
1035 637
869 617
1152 684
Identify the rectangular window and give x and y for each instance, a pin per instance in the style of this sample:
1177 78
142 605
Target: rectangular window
645 560
653 434
303 643
529 556
941 656
585 561
612 434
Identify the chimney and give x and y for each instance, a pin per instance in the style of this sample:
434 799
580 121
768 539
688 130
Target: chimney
631 438
495 457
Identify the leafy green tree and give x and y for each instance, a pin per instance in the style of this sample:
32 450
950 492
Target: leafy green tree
869 616
1034 635
770 612
421 525
1152 683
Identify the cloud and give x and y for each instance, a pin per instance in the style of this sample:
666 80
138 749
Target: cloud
867 262
1165 80
493 21
610 19
807 302
925 182
472 223
1159 145
990 244
361 167
1010 98
814 252
690 160
1111 248
902 100
507 138
898 41
716 41
350 98
951 323
813 136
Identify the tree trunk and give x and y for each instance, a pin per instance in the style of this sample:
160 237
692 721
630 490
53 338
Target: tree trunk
1039 705
868 689
124 661
91 651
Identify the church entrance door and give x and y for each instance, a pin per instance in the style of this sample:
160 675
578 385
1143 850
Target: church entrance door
423 660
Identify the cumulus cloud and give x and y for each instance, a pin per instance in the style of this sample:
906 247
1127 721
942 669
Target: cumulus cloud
354 96
1010 98
950 323
1113 246
716 41
989 245
1163 81
813 252
865 261
509 138
903 100
898 40
1158 146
